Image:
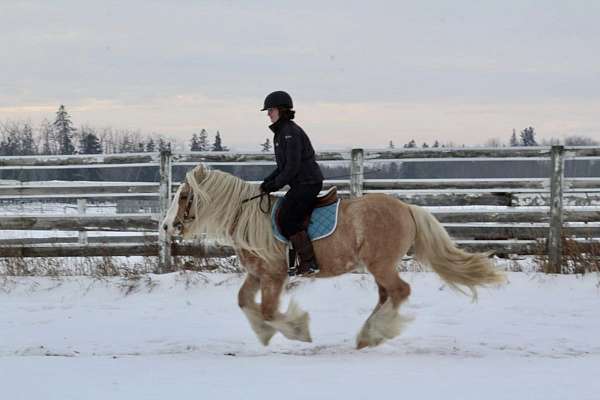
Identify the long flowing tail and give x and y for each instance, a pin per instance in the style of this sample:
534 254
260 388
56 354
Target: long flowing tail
456 267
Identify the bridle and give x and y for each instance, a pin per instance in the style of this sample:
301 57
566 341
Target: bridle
183 214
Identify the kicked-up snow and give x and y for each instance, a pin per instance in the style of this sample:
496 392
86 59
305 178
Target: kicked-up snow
182 336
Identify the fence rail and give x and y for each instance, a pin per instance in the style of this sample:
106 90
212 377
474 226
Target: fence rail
511 216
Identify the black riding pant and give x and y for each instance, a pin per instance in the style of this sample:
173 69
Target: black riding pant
297 204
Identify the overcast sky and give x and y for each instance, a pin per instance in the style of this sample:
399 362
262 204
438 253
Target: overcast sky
361 73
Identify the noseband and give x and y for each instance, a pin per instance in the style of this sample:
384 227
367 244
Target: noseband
184 216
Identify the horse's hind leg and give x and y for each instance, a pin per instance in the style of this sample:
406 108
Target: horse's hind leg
247 302
293 324
385 322
383 296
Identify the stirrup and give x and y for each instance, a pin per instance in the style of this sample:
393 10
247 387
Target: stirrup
313 268
311 271
293 271
292 262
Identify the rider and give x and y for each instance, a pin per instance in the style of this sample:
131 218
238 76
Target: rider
296 167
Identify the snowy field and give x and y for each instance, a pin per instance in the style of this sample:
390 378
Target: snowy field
182 336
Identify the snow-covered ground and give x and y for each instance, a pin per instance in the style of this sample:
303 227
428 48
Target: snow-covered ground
182 336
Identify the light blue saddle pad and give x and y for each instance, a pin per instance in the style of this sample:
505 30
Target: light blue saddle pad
323 221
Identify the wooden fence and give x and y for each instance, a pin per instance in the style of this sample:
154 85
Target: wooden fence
513 216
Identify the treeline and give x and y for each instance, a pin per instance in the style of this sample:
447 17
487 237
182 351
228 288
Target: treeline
61 137
412 144
526 137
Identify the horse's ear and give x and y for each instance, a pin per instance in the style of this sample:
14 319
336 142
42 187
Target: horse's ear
200 172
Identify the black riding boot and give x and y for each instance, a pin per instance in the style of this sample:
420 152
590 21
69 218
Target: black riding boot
304 249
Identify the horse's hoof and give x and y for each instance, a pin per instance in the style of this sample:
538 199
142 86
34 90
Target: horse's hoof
305 336
300 330
265 336
361 344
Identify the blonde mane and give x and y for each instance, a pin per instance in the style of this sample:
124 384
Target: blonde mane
220 213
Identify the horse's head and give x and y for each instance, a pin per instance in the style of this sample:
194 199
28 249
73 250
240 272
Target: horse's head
181 213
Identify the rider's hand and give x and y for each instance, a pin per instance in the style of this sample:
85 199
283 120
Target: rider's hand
268 187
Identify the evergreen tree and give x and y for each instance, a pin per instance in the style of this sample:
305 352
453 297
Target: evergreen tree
217 145
203 140
63 127
150 146
411 144
391 145
528 137
425 145
195 145
513 139
436 144
266 146
28 147
163 145
89 142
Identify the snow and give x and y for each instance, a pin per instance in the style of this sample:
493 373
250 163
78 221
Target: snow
182 335
373 158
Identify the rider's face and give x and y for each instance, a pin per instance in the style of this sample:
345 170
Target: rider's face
273 114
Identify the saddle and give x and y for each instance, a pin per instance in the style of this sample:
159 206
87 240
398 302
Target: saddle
322 220
327 198
323 200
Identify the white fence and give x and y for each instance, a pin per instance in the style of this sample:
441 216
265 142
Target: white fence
511 216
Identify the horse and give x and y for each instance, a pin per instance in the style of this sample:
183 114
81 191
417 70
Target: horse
374 231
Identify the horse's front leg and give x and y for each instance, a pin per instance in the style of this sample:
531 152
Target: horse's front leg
293 324
247 302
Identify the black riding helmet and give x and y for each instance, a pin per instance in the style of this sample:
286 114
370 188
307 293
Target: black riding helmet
278 99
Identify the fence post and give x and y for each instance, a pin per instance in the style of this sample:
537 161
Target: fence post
356 173
554 242
164 240
81 209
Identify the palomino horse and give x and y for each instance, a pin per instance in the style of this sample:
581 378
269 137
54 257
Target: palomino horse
373 231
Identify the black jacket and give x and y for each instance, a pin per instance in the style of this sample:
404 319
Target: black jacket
295 156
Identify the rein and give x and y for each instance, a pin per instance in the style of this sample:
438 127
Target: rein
260 205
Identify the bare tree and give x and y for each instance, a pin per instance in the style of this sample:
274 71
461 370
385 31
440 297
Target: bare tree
576 140
16 139
493 142
550 142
